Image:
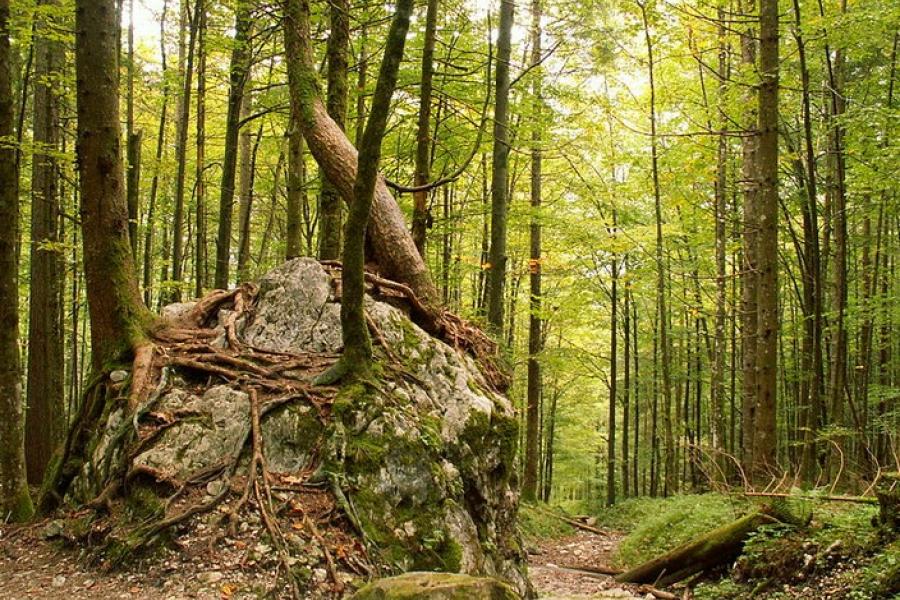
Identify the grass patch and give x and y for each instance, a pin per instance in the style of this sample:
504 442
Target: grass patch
536 523
656 525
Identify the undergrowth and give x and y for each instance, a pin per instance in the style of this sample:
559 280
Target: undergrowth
539 522
656 525
839 556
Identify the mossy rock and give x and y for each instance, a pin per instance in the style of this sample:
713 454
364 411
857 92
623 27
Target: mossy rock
419 453
436 586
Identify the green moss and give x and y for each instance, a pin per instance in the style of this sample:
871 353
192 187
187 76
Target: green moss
20 508
539 522
658 525
506 428
143 503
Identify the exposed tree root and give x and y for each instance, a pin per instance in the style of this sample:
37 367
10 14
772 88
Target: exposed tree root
141 375
271 379
450 328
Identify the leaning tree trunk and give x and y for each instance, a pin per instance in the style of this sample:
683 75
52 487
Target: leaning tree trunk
15 503
393 246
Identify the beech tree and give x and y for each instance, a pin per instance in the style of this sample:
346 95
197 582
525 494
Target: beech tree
15 502
45 417
500 171
119 319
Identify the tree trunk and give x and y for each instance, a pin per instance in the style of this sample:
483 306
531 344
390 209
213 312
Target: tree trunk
184 111
750 267
296 168
626 386
133 139
716 547
765 442
663 316
535 334
637 396
423 137
15 502
613 379
500 170
239 74
838 195
337 49
245 191
45 417
717 391
357 346
394 249
118 317
200 261
813 376
150 223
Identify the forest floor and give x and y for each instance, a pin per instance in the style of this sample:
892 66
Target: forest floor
553 565
32 566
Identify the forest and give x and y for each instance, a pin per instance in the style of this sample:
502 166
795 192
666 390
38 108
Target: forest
579 299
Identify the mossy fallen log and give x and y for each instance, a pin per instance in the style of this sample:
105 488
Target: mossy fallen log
709 550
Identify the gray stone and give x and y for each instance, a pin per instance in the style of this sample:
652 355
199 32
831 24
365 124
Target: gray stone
425 460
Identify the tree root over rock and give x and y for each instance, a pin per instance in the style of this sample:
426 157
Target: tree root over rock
271 381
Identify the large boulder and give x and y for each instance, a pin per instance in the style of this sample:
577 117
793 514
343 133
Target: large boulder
423 452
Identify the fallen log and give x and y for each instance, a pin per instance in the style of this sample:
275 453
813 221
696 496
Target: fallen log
711 549
785 496
573 522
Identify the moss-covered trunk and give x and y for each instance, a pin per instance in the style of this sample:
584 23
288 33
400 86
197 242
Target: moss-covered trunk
709 550
119 318
15 502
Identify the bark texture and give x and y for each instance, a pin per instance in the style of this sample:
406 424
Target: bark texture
423 130
500 171
44 419
15 503
118 316
337 50
535 323
764 445
239 72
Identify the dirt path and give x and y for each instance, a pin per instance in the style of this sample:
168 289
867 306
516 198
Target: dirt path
552 568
